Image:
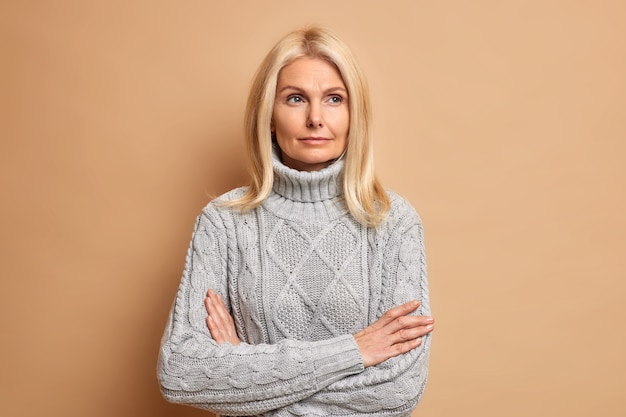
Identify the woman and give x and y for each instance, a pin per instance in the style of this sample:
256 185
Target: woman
304 293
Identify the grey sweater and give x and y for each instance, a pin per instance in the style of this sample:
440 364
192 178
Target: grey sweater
300 277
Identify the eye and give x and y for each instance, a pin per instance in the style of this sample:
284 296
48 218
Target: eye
335 99
295 98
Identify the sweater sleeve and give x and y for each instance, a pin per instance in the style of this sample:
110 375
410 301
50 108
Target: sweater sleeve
244 379
394 387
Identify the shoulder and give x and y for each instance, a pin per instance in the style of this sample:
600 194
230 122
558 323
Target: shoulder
228 196
218 212
401 211
218 204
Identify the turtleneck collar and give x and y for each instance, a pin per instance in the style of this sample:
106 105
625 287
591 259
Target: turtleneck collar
305 186
315 195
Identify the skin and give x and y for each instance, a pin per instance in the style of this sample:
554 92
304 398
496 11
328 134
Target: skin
311 120
311 116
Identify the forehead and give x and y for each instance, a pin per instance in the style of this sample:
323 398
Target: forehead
310 71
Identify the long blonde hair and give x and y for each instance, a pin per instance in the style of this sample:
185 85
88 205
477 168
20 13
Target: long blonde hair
364 196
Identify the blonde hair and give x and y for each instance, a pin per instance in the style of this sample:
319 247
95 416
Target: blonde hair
364 196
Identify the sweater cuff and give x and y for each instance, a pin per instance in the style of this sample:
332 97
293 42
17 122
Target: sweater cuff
335 359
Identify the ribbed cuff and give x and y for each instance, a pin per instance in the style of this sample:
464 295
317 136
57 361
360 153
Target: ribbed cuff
335 359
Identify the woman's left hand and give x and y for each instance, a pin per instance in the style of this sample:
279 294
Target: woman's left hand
219 321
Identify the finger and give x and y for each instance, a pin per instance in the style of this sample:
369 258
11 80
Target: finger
210 320
228 328
219 310
213 304
221 307
220 331
404 347
215 321
398 311
411 333
207 302
390 316
215 331
208 305
222 321
405 323
211 308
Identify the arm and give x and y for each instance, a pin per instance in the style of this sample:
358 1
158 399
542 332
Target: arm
389 387
244 379
393 387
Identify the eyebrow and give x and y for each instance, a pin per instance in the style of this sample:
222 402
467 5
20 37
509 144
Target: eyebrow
327 91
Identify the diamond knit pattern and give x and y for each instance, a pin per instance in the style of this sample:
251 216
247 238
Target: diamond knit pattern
315 266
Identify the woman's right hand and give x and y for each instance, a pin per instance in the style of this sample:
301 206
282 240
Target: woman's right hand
219 321
393 334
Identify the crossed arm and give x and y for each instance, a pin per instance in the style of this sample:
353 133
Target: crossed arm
394 348
395 333
390 389
203 363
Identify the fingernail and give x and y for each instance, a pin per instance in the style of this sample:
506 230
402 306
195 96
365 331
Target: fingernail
429 327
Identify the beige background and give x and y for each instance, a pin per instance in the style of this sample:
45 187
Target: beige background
503 122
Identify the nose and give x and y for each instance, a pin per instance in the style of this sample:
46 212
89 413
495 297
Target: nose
314 119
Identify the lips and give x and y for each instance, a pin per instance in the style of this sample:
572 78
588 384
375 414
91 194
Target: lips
314 139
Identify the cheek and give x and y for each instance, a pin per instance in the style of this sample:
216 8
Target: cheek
342 122
284 121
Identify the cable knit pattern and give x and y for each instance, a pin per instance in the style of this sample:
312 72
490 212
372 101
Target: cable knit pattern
300 276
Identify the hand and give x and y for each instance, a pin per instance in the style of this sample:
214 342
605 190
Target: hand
219 322
393 334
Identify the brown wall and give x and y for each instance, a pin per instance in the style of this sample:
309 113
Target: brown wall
503 122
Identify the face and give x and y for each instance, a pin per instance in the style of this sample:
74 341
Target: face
311 117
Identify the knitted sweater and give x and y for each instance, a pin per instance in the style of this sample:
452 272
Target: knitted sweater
300 277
